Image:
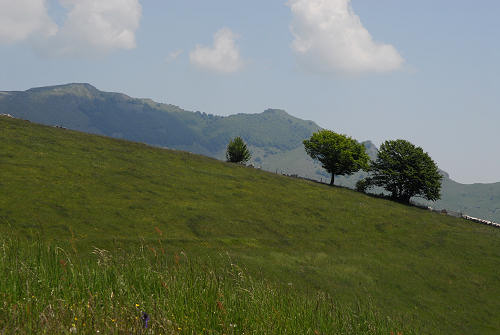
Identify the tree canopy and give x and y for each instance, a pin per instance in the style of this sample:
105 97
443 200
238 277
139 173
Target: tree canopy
338 153
406 171
237 151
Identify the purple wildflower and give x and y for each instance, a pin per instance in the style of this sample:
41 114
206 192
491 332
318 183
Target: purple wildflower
145 319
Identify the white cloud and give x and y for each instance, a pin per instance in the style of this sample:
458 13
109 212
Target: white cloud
173 55
91 26
20 19
222 57
329 37
95 27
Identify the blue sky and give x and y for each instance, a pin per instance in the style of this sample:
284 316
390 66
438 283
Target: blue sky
426 71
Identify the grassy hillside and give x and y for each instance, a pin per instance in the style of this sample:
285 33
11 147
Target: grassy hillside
274 137
52 290
439 273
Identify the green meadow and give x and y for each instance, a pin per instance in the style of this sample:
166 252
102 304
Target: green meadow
51 290
184 236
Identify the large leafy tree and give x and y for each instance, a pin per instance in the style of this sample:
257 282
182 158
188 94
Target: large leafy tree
406 171
237 151
338 153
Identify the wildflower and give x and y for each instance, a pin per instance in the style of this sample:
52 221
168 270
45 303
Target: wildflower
136 305
145 319
73 329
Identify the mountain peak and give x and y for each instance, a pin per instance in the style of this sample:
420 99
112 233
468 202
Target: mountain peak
79 89
276 112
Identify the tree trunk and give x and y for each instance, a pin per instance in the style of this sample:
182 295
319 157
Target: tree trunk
333 180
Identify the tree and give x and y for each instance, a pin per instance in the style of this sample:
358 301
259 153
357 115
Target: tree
237 151
406 171
338 154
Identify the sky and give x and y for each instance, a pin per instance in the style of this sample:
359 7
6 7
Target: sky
426 71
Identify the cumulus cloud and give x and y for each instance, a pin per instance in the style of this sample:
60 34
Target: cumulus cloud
222 57
90 27
95 27
20 19
329 37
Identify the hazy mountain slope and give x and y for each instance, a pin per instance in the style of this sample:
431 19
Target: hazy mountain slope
83 107
479 200
274 137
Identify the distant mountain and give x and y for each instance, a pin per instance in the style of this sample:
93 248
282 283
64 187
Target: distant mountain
83 107
478 200
274 137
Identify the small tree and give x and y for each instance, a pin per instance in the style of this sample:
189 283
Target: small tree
406 171
338 154
237 151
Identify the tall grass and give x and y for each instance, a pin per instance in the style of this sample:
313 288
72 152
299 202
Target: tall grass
48 289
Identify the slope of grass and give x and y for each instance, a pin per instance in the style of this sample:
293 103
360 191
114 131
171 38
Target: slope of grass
52 290
439 273
274 136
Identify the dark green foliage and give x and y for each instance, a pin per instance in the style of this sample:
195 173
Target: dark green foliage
478 200
406 171
237 151
338 153
362 185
